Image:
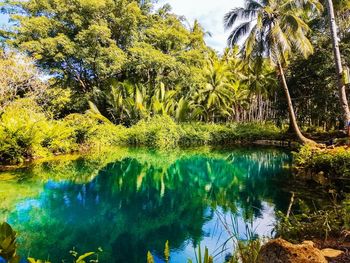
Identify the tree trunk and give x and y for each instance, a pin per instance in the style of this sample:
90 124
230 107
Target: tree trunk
236 107
339 67
293 119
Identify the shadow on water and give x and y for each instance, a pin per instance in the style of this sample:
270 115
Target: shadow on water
133 203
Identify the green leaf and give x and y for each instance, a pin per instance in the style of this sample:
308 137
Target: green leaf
167 251
84 256
150 258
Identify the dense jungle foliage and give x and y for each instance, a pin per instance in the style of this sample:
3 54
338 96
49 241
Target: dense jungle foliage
126 63
84 75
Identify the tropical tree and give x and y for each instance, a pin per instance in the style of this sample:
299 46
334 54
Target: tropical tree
86 45
338 62
19 78
214 96
276 29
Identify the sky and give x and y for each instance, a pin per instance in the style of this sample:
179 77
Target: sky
209 13
3 19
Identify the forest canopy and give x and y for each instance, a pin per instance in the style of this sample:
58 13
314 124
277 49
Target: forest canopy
133 61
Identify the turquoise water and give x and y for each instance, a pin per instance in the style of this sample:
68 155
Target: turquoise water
131 201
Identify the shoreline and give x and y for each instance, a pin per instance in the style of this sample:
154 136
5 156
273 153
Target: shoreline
288 144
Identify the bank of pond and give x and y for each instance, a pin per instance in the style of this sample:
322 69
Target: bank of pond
131 201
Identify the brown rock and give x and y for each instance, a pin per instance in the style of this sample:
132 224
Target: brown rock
331 253
281 251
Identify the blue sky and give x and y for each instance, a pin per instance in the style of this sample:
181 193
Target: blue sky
209 13
3 19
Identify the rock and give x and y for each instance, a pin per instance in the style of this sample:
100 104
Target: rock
331 253
281 251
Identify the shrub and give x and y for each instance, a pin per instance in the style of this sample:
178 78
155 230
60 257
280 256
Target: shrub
159 132
334 163
34 134
200 134
258 131
59 137
109 134
56 101
22 126
26 133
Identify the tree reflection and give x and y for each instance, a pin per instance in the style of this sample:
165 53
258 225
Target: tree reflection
132 205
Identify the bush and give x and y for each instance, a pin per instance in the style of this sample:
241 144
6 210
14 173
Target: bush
26 132
258 131
320 224
159 132
201 134
22 126
59 138
333 163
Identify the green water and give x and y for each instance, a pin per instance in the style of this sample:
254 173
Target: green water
131 201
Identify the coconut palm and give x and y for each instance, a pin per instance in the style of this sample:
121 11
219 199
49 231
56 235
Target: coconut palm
274 29
338 62
215 96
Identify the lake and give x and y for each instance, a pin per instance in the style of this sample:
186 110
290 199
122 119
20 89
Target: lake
130 201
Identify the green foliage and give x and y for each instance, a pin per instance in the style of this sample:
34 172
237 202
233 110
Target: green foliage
56 101
320 224
333 163
35 135
159 132
149 257
8 244
346 212
21 135
87 44
18 78
167 251
207 134
258 131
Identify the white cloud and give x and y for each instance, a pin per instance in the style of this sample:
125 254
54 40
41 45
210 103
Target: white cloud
209 13
4 19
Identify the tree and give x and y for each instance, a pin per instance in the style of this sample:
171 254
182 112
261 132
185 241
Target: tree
338 62
87 45
276 29
18 78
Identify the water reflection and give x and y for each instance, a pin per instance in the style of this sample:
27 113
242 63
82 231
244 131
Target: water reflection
133 205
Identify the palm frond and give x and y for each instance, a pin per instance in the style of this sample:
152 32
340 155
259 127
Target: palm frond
302 44
253 5
294 23
238 13
231 17
250 42
238 33
280 38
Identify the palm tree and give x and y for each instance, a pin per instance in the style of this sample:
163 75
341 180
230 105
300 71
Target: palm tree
339 67
274 29
215 96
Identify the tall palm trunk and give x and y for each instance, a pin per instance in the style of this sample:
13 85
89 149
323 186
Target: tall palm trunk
293 119
339 67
